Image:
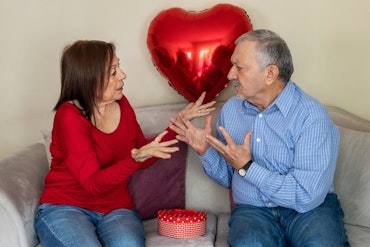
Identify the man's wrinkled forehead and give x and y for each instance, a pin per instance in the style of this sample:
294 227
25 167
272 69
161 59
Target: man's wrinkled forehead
243 50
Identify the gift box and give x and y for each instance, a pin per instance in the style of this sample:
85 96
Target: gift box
181 223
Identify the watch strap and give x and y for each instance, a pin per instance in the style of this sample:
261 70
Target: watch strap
243 171
247 165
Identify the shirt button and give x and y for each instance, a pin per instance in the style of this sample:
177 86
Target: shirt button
258 140
269 204
260 115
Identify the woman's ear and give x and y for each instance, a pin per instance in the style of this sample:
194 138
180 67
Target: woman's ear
272 73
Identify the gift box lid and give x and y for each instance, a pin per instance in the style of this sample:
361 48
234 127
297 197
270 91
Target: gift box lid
181 215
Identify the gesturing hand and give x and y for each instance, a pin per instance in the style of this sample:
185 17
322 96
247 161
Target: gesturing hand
236 155
198 109
193 136
155 149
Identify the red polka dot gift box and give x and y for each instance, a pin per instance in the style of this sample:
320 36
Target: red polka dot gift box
181 223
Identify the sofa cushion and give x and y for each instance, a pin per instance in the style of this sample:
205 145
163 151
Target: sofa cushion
358 236
160 186
21 183
222 230
352 176
347 119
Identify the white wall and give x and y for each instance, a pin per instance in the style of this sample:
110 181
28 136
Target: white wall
329 41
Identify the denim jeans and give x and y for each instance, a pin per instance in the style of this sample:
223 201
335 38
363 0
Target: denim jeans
279 227
63 225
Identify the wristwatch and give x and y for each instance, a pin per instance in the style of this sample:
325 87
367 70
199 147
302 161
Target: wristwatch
243 171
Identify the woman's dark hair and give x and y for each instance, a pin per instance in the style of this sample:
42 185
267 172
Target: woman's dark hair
84 65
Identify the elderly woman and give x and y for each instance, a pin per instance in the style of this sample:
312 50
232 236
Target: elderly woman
97 144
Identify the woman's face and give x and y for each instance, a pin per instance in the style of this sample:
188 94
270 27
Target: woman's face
114 84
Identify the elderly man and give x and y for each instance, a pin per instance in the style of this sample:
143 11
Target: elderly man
276 147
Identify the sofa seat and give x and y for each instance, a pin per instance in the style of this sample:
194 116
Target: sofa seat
222 230
359 236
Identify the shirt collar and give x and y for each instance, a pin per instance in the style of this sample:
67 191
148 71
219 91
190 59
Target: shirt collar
282 103
285 99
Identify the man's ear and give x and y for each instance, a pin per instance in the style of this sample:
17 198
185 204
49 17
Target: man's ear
272 73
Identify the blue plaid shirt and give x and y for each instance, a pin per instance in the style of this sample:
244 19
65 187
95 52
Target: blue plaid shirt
294 148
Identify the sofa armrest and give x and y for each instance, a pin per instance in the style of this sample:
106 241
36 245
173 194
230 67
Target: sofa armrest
21 183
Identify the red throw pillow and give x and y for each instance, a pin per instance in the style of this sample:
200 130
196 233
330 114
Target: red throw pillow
160 186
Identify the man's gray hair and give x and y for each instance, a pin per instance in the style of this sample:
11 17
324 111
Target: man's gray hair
270 49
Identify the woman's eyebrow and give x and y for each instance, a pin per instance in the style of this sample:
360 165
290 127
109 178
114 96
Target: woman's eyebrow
114 65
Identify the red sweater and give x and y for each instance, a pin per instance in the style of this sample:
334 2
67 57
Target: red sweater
90 169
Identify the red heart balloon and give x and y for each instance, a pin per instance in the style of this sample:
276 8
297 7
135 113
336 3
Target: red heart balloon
193 49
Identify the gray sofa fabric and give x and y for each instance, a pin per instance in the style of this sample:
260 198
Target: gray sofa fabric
21 182
22 174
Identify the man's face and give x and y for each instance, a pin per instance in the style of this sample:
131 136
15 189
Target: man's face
245 74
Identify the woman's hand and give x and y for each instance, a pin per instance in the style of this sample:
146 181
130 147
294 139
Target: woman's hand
156 148
198 109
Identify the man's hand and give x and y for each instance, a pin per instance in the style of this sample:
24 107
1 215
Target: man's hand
155 148
193 136
236 155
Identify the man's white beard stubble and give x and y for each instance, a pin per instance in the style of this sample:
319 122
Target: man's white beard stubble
236 85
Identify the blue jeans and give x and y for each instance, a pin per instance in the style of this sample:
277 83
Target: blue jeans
279 227
63 225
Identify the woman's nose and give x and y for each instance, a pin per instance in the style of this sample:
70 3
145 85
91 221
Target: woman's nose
123 74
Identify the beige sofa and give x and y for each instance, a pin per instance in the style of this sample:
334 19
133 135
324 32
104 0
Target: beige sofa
22 174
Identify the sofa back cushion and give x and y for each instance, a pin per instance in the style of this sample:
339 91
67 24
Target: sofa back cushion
352 176
348 120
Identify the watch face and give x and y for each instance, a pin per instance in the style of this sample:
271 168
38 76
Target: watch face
242 172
